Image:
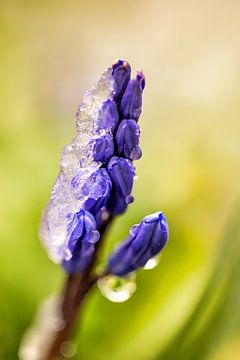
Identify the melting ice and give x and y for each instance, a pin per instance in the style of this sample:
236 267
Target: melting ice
76 159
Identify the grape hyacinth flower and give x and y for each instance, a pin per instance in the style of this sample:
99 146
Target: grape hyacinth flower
95 185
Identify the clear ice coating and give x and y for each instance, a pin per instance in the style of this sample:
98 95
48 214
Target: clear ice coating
117 289
76 160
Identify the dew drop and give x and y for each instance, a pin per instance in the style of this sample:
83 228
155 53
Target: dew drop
133 230
129 199
152 263
117 289
68 349
104 214
67 254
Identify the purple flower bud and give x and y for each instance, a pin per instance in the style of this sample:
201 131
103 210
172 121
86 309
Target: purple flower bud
127 140
131 103
103 148
145 241
98 187
122 173
108 117
121 72
83 235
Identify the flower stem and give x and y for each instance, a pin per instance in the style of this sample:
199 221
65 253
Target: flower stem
76 288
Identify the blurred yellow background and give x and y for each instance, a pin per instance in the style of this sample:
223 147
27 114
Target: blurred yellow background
51 52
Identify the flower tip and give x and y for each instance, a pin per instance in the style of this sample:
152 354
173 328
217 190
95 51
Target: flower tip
157 217
141 78
117 62
120 63
121 72
163 222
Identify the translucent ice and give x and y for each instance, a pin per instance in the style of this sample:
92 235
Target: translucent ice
77 159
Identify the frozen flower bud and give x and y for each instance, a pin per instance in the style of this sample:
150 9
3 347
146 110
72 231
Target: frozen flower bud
103 148
108 117
121 72
121 172
83 234
131 103
127 140
145 241
97 196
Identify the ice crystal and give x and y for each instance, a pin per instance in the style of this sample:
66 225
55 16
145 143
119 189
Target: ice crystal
77 162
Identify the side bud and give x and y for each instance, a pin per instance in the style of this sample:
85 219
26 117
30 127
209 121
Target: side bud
145 241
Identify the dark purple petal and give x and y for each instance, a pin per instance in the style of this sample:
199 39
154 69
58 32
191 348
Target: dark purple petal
127 140
103 148
131 103
108 117
122 173
145 241
83 235
121 74
80 260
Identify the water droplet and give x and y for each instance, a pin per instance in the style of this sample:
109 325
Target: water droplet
152 263
133 230
117 289
67 254
104 214
68 349
129 199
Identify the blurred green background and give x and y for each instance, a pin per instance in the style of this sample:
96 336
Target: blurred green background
51 52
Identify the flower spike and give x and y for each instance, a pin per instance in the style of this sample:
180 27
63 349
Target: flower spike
96 179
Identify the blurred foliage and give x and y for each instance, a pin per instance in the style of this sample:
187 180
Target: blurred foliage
51 52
